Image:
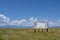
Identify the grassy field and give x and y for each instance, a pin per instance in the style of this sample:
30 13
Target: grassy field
28 34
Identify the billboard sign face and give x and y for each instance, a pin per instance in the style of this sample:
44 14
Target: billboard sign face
42 25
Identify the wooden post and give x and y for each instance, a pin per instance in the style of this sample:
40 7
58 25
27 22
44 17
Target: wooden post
47 30
34 30
35 26
47 26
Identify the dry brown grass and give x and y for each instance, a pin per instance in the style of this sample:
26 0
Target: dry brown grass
28 34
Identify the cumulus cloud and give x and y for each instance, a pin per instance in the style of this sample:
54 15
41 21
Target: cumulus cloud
24 22
5 19
56 23
3 24
58 20
18 22
8 21
32 19
52 23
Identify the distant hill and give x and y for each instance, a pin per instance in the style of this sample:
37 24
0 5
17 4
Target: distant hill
55 27
8 26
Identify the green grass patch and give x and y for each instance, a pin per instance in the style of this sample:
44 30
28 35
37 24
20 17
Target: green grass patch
29 34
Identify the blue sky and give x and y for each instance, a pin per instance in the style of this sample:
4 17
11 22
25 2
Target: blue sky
41 9
49 9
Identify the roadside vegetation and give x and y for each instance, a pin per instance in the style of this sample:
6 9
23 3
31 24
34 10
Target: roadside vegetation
29 34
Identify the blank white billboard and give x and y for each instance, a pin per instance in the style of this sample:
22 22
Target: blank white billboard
42 25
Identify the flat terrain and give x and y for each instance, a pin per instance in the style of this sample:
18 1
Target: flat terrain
29 34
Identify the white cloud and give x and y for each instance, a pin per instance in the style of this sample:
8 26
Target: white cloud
24 22
18 22
51 23
5 19
3 24
56 23
32 19
58 20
